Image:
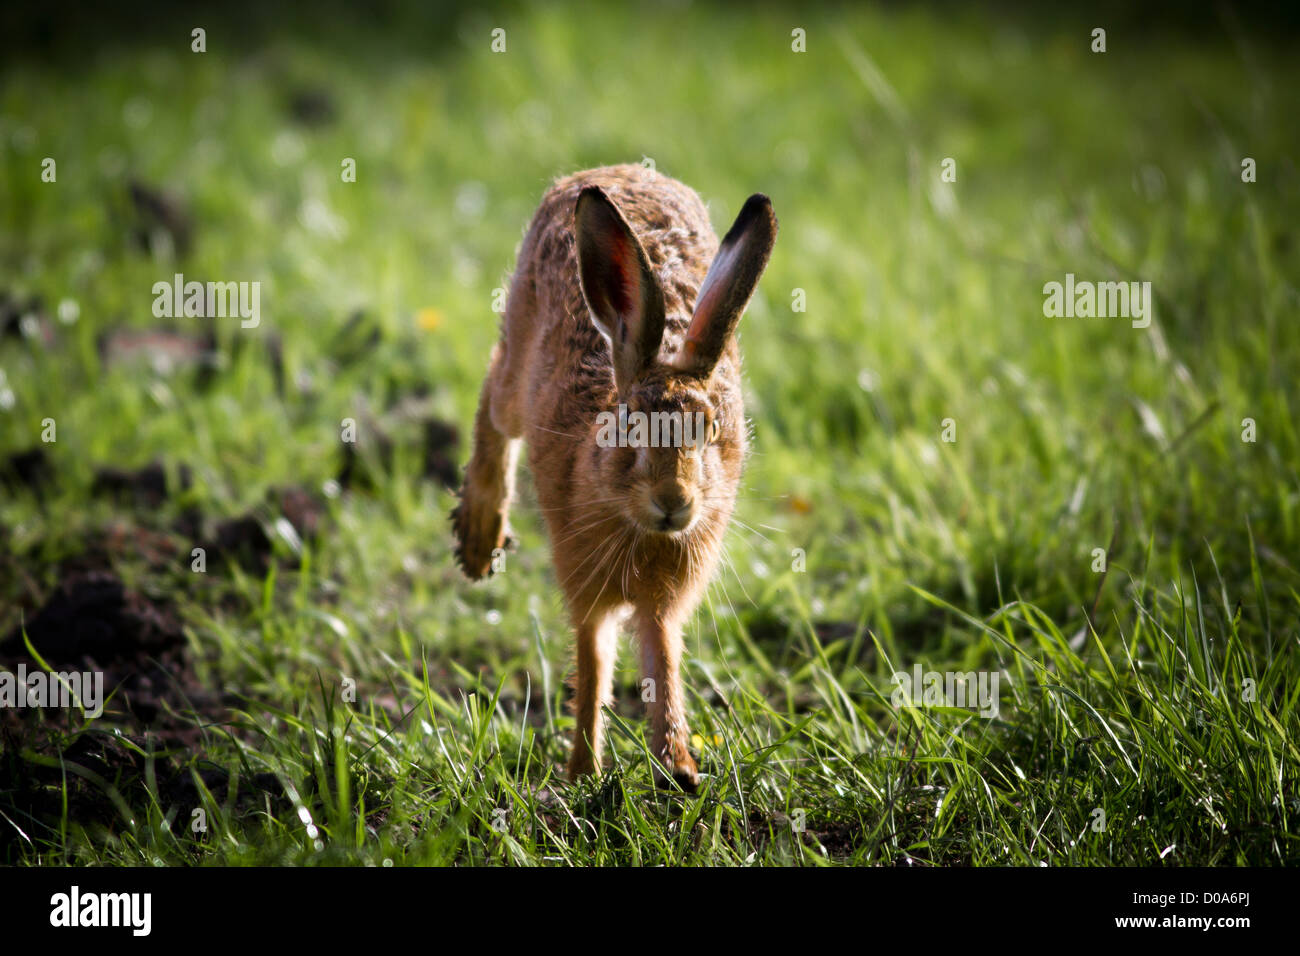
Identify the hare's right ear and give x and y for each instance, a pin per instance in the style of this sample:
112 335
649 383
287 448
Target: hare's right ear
727 288
622 294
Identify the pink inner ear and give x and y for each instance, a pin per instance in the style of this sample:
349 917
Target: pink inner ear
621 287
706 306
712 292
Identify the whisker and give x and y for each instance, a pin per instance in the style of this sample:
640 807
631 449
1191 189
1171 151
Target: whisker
726 557
575 434
754 530
612 565
574 532
586 501
606 554
598 547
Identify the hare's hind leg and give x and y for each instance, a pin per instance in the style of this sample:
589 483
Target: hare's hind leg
479 521
661 655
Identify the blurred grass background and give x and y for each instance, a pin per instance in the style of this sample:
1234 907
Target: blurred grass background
924 303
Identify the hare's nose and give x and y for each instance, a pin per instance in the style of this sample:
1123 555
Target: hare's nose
673 508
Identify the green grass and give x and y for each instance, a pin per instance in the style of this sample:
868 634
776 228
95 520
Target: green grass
1121 692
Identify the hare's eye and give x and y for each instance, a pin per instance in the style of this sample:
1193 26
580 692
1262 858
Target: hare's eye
715 431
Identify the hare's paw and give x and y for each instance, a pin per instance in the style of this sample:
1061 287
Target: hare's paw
481 535
683 772
581 764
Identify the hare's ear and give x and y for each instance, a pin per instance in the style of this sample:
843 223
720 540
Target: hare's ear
622 294
727 288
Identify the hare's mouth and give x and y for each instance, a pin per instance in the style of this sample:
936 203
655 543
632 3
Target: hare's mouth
666 508
658 520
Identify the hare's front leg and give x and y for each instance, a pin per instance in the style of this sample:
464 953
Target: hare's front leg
480 520
661 655
597 647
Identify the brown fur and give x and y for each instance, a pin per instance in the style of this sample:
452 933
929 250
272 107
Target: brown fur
551 375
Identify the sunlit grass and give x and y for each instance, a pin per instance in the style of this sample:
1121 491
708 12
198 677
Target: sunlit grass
1157 699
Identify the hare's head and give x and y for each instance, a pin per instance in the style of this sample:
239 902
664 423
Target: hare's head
670 453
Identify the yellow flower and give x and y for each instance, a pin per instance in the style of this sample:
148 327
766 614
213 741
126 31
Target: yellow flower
428 318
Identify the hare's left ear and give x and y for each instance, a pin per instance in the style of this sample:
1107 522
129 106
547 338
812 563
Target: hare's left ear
621 291
727 288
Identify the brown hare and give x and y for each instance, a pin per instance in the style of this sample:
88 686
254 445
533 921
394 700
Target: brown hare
622 309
